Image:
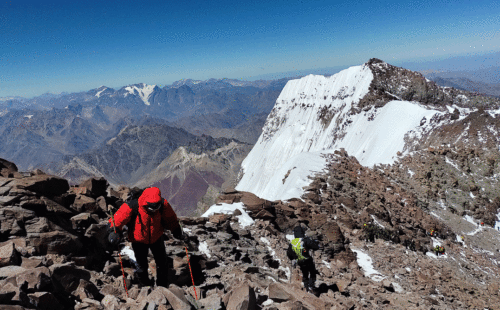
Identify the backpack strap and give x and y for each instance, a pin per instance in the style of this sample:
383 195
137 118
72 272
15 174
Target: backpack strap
134 205
297 248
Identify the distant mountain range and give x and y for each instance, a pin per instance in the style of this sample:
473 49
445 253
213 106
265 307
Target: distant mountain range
134 135
467 84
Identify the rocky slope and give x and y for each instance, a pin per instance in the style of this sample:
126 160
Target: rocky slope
53 254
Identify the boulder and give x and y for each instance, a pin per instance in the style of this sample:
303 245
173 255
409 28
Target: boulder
176 297
84 220
8 169
58 204
111 290
263 215
241 298
9 200
66 277
279 292
40 225
9 255
35 279
11 271
252 202
44 301
10 217
193 220
113 269
110 302
218 218
97 234
84 203
54 242
43 185
35 204
143 294
87 289
32 262
7 292
101 204
79 190
96 186
213 302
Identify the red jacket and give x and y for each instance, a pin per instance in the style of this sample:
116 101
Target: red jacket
148 228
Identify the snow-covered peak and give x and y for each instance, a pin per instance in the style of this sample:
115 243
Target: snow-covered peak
142 90
314 116
100 90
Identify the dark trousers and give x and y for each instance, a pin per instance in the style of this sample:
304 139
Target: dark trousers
308 273
141 251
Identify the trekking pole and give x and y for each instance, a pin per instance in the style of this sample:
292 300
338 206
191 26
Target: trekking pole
189 264
121 264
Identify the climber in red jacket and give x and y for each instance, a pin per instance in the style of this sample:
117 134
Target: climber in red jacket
151 214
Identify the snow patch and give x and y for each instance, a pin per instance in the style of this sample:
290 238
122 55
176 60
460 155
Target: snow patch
470 219
432 213
376 222
244 219
143 92
203 248
98 94
397 287
128 252
365 262
494 113
497 223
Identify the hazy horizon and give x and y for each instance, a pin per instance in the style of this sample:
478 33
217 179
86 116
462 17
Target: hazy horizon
59 46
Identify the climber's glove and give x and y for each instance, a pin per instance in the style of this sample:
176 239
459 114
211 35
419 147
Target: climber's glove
113 238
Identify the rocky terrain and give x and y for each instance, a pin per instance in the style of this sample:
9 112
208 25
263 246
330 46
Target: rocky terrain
53 254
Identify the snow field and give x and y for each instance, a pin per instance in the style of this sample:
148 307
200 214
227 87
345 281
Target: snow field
294 138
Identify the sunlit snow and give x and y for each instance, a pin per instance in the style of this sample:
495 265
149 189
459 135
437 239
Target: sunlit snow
98 94
297 132
143 92
244 219
203 248
128 252
365 262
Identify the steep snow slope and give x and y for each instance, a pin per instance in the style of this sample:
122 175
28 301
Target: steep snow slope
314 115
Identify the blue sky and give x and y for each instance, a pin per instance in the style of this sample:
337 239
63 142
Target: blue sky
55 46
